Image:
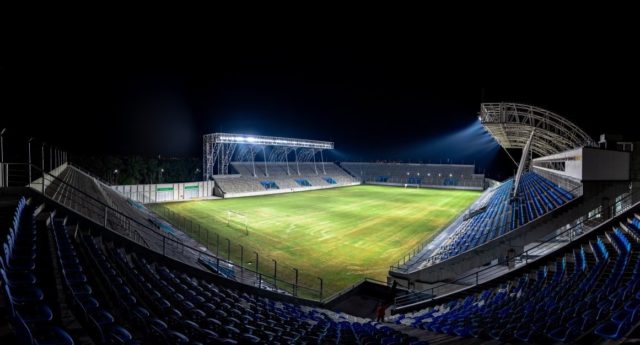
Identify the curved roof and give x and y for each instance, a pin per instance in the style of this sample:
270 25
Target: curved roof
511 125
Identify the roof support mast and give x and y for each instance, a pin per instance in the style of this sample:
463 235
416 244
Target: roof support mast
538 132
522 165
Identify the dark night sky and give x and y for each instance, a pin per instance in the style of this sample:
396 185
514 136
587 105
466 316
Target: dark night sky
378 102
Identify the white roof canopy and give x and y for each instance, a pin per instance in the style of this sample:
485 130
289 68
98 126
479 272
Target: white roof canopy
511 125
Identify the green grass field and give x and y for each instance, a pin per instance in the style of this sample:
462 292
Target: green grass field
341 234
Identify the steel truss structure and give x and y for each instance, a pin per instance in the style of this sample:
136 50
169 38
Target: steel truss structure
511 125
532 129
219 149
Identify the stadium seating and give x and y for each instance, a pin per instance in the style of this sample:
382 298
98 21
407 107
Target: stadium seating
462 176
83 299
315 175
86 195
591 289
501 214
22 278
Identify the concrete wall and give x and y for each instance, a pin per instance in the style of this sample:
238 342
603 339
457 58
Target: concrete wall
635 162
165 192
589 164
37 184
603 165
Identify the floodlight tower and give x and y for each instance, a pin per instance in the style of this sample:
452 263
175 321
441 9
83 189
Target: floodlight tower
220 148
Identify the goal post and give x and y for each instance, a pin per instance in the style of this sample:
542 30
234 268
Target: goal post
238 220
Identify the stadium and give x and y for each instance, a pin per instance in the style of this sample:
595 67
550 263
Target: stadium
277 245
259 205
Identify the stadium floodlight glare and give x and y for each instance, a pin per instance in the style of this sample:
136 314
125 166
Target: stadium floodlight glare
219 149
228 138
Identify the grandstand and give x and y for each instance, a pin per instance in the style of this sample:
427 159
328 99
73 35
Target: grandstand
276 178
498 214
89 196
527 209
287 165
422 175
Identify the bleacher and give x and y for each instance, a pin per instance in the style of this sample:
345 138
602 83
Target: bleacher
428 175
276 174
84 194
536 197
115 293
589 292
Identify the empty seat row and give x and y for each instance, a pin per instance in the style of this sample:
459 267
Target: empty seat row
29 314
591 291
536 197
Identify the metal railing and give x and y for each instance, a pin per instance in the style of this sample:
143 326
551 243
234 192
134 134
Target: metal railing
14 175
243 255
63 191
89 173
453 223
558 239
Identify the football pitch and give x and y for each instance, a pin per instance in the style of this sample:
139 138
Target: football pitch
341 235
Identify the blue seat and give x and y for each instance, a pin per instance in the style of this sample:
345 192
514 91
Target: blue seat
174 337
31 312
251 339
25 250
612 330
18 278
23 295
209 336
120 336
86 302
42 336
17 264
565 334
75 277
157 328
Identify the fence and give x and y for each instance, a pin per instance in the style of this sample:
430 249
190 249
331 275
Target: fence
447 228
552 242
272 273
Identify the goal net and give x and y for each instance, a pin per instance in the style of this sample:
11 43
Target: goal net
238 220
